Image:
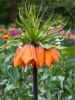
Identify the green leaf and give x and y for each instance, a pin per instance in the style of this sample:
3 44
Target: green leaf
21 25
69 51
45 75
9 44
49 96
47 46
9 87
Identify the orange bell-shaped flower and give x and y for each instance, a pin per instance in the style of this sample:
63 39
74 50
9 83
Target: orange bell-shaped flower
17 57
40 56
48 58
55 55
25 56
29 55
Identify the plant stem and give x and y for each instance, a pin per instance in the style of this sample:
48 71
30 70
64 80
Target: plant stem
35 91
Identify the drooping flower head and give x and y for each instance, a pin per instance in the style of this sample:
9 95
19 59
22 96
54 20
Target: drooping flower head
29 54
38 48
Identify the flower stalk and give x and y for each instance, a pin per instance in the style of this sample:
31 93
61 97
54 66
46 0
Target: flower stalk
35 89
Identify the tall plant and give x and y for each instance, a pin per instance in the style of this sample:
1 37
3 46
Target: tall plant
36 46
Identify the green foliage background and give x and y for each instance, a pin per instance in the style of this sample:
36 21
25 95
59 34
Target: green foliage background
66 8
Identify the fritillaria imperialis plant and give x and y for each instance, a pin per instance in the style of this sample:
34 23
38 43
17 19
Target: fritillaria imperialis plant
34 50
36 46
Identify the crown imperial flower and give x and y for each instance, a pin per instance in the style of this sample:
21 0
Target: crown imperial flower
29 54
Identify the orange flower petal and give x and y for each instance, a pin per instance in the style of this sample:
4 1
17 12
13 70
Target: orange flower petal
17 62
40 57
54 55
33 53
29 54
58 54
17 57
48 58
